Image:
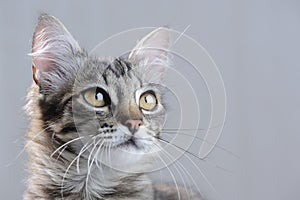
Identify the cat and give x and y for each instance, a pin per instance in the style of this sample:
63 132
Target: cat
95 123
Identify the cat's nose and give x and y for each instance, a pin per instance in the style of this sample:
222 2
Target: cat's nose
133 124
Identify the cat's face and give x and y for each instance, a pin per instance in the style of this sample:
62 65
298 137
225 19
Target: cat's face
118 106
114 106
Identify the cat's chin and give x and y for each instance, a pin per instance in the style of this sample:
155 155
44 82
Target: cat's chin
129 156
130 164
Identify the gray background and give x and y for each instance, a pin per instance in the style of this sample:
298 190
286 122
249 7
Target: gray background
256 47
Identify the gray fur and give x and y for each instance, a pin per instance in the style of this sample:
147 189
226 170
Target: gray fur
63 125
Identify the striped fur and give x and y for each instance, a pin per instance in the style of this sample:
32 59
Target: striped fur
68 139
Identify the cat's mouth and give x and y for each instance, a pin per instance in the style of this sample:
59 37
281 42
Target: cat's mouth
131 142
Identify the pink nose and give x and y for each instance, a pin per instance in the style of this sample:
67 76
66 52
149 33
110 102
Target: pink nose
133 124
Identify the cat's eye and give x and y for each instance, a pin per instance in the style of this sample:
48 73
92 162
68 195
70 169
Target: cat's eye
96 97
148 101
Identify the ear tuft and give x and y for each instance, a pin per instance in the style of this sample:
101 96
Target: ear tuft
155 44
152 53
52 46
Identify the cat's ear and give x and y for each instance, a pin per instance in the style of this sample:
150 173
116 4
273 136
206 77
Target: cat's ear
53 48
151 53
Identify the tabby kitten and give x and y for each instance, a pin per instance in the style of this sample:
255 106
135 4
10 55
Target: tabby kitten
95 123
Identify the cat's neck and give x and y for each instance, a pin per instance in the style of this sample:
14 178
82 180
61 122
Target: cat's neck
102 181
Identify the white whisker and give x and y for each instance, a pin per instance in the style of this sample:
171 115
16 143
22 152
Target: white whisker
89 164
181 177
171 173
68 168
81 152
199 170
65 145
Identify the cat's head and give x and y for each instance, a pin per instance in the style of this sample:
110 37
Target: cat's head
113 105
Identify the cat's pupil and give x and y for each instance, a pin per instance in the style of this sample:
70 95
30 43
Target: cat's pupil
149 99
99 96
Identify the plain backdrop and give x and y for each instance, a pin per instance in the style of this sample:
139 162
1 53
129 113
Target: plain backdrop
254 43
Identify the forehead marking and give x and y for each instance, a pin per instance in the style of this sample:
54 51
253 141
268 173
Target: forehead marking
118 67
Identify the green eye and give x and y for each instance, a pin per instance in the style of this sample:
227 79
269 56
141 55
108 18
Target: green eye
148 101
96 97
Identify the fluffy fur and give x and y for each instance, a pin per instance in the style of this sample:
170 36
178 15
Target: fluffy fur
77 151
